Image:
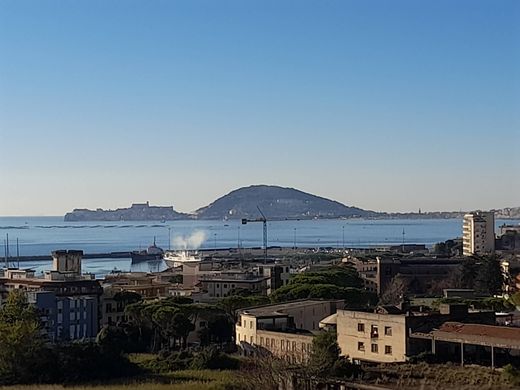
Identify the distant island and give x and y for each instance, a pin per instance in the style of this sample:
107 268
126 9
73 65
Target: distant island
277 203
137 212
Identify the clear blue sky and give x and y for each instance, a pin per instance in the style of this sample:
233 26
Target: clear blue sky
385 105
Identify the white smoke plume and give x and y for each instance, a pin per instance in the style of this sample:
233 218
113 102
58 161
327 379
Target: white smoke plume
191 242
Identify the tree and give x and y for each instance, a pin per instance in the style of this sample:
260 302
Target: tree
325 359
489 278
395 291
231 304
182 326
21 340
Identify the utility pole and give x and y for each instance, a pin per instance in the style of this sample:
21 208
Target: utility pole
343 241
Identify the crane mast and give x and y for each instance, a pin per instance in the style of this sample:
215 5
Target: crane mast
263 219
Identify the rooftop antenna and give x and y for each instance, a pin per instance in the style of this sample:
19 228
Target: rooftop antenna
403 240
18 252
5 254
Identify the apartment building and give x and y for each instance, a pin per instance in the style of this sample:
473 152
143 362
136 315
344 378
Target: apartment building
285 330
391 335
66 299
372 336
377 272
478 233
220 285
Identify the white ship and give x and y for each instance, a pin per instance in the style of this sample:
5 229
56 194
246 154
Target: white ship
178 258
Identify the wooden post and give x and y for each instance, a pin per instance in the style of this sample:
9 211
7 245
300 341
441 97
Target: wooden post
492 357
433 345
462 353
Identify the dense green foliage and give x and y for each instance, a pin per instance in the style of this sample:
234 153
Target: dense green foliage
166 324
20 340
232 303
325 359
482 273
333 283
447 248
25 357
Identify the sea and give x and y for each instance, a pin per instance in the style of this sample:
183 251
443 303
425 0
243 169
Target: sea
42 235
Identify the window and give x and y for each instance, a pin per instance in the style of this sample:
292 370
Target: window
360 327
225 285
250 324
261 341
282 345
360 346
388 349
294 346
374 348
388 330
374 332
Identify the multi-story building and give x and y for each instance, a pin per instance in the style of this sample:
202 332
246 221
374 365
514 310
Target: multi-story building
478 233
377 272
278 274
391 335
145 284
66 299
286 330
220 285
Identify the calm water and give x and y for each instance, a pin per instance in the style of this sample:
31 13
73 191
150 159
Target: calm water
41 235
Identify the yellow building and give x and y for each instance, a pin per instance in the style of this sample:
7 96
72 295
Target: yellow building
372 336
286 330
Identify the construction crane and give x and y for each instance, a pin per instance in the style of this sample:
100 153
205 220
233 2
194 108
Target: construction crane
264 221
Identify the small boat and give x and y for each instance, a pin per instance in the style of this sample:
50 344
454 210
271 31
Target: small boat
153 252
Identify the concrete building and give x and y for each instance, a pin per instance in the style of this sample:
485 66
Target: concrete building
220 285
475 343
144 284
66 299
66 318
285 330
278 275
385 335
377 272
478 233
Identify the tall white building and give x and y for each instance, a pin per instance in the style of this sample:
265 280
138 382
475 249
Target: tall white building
478 233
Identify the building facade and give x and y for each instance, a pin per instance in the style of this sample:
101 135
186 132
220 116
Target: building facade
285 330
389 335
478 233
67 300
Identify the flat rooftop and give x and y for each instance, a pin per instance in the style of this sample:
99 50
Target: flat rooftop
499 336
282 309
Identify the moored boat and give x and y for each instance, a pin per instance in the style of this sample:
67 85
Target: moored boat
153 252
178 258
